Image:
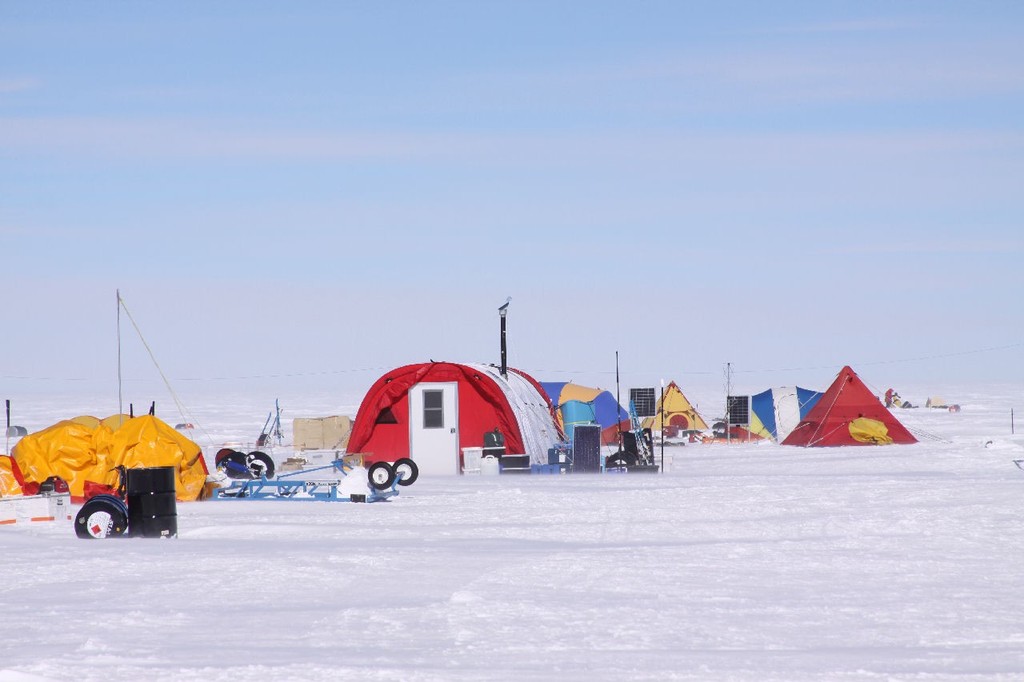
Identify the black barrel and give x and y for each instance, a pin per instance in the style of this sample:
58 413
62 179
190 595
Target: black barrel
152 508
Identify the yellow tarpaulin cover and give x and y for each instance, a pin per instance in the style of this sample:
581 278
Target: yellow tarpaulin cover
114 421
573 391
78 453
64 449
86 420
676 411
8 483
866 430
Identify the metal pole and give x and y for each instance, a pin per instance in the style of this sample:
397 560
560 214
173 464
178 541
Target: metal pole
618 401
728 393
662 410
1011 421
120 401
502 312
504 349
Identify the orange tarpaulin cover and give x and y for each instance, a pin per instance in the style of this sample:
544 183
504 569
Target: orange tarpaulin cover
8 483
77 453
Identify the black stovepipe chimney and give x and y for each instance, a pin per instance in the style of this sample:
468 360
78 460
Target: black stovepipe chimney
502 312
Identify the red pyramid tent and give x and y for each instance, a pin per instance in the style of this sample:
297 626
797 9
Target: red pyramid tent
848 414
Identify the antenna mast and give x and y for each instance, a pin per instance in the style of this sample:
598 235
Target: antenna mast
120 401
618 402
728 402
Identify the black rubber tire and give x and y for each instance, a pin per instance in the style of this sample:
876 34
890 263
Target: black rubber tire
260 464
103 516
406 470
222 454
381 475
614 462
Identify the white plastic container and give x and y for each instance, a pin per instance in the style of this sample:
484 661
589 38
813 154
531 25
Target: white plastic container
471 460
489 466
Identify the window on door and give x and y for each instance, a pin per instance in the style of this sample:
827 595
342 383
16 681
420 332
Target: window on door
433 409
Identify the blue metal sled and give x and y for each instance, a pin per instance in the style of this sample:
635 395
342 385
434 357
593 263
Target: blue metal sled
297 486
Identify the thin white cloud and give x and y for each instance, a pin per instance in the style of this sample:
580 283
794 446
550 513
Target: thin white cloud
171 139
36 230
781 77
10 85
865 25
745 77
935 245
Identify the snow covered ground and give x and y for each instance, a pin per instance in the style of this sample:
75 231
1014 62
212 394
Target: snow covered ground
744 562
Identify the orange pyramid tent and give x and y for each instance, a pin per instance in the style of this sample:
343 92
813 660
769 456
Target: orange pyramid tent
848 413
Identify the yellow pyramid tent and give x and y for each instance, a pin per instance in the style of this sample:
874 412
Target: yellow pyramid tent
675 412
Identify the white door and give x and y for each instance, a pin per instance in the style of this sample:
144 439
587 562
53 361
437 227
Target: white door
434 427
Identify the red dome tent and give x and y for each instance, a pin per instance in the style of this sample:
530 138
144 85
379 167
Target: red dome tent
848 414
430 411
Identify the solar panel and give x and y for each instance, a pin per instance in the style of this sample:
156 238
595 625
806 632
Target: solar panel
586 448
738 407
644 402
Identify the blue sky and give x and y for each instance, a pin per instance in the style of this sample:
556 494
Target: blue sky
315 192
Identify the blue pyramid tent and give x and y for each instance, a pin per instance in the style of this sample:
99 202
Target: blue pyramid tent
780 410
